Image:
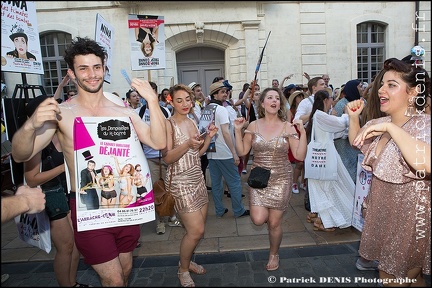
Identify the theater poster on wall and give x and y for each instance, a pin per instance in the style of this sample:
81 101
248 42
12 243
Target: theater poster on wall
104 35
114 186
20 51
147 39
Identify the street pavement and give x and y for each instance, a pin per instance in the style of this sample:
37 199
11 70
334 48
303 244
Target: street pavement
234 252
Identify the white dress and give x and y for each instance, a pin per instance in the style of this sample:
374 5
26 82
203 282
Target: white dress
332 200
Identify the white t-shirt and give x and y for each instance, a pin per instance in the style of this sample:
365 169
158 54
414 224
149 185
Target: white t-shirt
148 151
304 107
222 150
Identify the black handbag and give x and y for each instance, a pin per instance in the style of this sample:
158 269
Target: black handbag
258 177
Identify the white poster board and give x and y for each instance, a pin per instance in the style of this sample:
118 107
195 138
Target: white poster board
105 37
21 51
363 182
147 40
114 147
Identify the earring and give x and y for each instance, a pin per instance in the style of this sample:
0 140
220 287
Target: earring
410 111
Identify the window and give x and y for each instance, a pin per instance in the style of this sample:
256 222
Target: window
53 46
370 50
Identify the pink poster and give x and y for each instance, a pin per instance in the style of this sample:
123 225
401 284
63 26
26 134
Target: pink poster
115 187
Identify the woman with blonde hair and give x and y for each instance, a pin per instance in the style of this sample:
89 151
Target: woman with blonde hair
271 135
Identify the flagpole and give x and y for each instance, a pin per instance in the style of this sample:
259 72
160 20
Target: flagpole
255 78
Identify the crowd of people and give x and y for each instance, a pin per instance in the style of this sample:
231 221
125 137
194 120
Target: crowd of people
184 133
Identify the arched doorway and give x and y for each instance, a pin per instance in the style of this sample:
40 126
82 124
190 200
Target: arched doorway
201 65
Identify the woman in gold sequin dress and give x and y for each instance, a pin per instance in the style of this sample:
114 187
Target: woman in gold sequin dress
397 224
187 184
270 137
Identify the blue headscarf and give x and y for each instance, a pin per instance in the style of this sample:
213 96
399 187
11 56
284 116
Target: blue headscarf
351 91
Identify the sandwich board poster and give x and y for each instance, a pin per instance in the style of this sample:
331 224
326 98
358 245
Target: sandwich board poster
114 186
363 182
20 51
104 35
147 40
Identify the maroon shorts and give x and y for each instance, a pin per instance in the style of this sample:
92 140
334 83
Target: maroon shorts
102 245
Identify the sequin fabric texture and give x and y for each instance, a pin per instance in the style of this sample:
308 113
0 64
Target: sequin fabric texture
187 185
397 224
278 192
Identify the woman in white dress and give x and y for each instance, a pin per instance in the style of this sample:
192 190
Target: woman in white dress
331 200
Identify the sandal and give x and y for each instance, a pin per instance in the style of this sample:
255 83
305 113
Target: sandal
185 279
320 227
311 216
195 268
271 266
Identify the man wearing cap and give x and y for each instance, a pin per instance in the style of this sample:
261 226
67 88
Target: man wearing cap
224 161
198 99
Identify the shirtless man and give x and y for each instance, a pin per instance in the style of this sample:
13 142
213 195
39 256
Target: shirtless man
85 58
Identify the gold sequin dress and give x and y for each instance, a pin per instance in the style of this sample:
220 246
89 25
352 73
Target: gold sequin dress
187 186
397 226
278 192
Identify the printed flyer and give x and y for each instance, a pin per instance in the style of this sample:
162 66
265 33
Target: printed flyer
147 39
362 189
20 51
115 186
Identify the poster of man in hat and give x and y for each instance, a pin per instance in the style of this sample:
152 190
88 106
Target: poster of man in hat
21 50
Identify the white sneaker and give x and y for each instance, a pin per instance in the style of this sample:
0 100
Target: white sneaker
4 277
160 228
295 188
303 186
367 265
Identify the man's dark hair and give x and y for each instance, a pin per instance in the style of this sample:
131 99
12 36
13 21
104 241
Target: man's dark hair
153 85
83 46
217 79
128 93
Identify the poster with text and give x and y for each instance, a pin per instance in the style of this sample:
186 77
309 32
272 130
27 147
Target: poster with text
363 182
115 186
21 51
105 37
147 39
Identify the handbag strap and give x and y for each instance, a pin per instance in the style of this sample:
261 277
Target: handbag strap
171 172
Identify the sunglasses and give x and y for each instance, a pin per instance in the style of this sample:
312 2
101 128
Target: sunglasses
138 170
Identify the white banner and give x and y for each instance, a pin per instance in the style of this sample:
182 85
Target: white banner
21 51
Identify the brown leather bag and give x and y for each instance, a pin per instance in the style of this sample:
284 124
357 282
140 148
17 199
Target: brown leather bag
163 199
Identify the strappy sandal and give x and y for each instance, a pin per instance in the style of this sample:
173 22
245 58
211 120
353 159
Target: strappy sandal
195 268
320 227
185 279
311 216
271 263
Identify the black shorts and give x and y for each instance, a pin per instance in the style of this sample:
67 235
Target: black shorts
109 194
141 190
